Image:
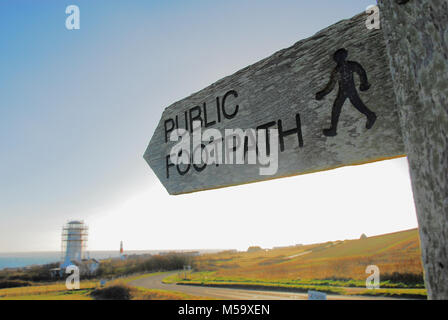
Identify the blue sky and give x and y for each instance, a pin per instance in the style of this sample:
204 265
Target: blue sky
77 110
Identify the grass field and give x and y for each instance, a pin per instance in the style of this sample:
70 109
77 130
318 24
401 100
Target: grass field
58 291
334 267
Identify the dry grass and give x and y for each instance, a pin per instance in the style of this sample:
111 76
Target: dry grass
58 291
395 252
152 294
50 289
334 267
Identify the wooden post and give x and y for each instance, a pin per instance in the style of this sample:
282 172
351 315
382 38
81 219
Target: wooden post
417 43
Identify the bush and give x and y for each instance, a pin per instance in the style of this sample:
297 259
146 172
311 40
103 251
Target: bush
140 264
115 292
406 278
35 273
14 284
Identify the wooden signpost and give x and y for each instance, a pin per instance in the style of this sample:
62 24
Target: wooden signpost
417 45
330 98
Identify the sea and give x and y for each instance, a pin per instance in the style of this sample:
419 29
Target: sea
24 259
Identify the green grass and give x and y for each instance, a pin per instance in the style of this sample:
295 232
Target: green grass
349 287
207 276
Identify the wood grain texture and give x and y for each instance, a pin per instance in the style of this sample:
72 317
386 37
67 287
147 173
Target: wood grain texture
279 87
417 41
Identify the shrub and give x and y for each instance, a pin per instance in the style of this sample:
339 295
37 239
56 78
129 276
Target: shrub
139 264
115 292
406 278
14 284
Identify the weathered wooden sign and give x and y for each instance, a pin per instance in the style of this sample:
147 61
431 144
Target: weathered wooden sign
325 102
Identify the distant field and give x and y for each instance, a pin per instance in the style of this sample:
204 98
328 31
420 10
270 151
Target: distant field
337 267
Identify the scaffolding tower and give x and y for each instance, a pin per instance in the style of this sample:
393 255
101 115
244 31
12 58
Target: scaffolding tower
74 242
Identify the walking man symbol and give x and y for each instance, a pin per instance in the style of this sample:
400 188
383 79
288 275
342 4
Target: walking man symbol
344 74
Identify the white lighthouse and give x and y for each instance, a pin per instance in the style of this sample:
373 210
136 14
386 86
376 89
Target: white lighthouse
74 242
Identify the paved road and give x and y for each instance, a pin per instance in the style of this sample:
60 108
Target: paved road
155 282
